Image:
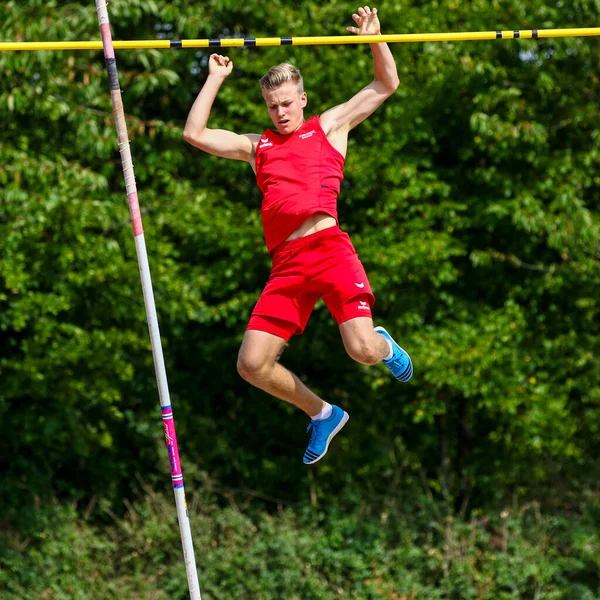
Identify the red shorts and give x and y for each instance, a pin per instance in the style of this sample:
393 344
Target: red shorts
323 264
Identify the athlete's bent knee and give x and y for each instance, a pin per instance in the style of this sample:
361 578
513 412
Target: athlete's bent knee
364 353
251 369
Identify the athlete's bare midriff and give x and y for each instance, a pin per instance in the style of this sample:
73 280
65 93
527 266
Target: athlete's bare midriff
314 223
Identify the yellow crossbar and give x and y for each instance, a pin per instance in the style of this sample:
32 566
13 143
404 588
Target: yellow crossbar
307 41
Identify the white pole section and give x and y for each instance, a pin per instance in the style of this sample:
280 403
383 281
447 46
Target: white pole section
142 256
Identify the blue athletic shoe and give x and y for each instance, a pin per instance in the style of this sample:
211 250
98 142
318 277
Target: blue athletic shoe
323 431
400 364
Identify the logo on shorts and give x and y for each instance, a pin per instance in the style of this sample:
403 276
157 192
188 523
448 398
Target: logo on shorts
360 285
363 305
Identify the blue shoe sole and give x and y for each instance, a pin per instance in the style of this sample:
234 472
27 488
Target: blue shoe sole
342 422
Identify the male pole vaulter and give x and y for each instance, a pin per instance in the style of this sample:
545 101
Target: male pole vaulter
299 166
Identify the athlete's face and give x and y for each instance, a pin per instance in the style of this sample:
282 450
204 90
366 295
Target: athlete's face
286 107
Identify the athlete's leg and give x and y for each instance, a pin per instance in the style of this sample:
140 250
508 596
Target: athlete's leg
370 346
352 310
257 364
362 343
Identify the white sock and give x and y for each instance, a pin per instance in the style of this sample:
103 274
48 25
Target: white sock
325 412
391 352
391 349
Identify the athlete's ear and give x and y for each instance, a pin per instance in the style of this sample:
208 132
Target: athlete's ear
303 99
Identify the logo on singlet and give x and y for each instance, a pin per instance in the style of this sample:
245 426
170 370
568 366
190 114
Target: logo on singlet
265 143
304 136
360 285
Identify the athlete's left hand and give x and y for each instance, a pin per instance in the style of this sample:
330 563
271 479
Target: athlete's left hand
367 21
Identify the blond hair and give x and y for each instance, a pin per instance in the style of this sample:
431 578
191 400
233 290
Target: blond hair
280 75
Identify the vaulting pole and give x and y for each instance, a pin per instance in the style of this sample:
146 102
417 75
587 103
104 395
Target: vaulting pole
311 41
140 246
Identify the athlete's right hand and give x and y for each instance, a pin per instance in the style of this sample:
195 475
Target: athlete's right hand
221 66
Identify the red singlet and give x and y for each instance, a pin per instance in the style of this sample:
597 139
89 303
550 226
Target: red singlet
299 175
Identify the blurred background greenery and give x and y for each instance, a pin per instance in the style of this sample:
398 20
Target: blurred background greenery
472 197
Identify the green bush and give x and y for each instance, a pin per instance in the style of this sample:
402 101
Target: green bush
316 554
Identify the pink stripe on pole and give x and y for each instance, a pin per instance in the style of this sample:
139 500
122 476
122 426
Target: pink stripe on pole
109 51
172 449
136 216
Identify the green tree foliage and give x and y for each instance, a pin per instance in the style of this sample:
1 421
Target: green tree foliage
471 196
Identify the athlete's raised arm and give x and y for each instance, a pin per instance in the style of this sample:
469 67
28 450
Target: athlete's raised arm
219 142
344 117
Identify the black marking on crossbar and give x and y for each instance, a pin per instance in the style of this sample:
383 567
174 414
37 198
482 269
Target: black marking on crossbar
249 42
517 34
498 35
534 34
177 44
214 43
113 74
286 41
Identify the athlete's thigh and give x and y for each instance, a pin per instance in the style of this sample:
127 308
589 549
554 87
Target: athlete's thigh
345 286
260 348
